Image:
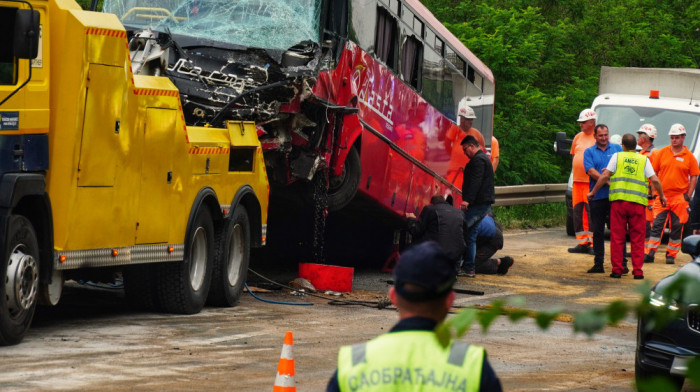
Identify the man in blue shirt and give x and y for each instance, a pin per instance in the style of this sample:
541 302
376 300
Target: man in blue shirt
595 159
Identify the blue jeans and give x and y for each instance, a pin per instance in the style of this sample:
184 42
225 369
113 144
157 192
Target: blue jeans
473 216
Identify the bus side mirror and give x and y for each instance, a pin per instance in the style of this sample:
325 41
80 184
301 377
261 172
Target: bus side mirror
26 40
562 145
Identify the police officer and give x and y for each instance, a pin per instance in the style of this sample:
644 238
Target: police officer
410 357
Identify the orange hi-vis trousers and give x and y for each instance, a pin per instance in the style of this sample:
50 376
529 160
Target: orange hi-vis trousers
675 214
579 200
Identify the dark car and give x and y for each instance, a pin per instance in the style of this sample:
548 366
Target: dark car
665 350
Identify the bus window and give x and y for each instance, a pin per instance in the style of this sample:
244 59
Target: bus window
407 17
8 63
393 5
429 37
336 26
455 60
386 40
418 27
439 46
475 78
411 61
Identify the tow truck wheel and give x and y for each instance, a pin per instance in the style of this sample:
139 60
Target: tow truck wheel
231 267
20 283
342 189
183 286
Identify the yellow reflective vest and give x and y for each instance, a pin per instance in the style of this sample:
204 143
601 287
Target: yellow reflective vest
410 361
629 182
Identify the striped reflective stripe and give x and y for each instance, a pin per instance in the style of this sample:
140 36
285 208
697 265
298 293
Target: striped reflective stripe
629 192
284 381
359 353
631 180
105 32
458 352
156 92
673 247
655 239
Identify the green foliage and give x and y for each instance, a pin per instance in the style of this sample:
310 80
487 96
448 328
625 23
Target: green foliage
85 4
683 290
531 216
546 57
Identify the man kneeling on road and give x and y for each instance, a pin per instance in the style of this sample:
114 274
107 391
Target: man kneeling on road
628 172
489 240
410 357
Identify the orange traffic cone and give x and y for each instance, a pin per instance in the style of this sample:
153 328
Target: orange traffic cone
284 382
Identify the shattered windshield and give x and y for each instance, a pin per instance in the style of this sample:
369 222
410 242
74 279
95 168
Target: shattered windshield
267 24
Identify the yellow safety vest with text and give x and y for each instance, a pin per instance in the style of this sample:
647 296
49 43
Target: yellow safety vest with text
410 361
629 182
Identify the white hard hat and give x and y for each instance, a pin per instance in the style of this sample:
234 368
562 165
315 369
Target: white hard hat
617 139
464 110
676 129
587 114
648 129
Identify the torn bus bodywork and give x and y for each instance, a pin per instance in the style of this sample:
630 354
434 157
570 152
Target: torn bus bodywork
257 61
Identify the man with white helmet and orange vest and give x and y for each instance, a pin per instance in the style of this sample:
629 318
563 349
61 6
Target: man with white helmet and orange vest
678 171
580 188
453 139
645 139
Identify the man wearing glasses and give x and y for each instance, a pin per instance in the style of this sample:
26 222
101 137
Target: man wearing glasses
678 171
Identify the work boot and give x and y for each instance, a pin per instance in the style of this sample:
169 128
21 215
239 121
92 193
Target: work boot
625 270
649 257
597 269
506 263
586 249
670 260
615 275
638 276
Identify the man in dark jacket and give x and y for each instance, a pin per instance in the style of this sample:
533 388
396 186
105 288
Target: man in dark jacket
477 196
442 223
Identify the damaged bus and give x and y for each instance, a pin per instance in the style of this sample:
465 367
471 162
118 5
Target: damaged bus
355 94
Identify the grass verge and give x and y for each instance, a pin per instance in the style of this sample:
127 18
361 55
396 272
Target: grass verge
531 216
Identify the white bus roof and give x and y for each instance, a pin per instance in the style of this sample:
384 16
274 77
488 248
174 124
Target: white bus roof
455 43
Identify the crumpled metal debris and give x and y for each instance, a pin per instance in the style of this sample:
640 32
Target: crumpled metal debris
302 284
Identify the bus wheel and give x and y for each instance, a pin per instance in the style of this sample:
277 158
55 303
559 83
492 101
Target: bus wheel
20 284
342 189
231 267
183 286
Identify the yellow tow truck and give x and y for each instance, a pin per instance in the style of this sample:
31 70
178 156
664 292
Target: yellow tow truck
101 177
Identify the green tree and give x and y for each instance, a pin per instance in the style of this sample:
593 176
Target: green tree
546 57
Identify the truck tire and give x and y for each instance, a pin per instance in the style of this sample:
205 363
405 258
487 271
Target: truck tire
231 266
139 286
342 189
19 285
183 286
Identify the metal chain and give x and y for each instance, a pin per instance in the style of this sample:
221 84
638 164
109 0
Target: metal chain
320 198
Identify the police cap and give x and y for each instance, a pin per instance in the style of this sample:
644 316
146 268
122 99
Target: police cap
429 271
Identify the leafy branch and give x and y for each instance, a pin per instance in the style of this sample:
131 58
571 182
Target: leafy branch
658 307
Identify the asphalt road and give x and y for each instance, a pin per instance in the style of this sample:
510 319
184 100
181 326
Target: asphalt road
93 342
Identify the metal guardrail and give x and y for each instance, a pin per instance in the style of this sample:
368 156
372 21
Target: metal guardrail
530 194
